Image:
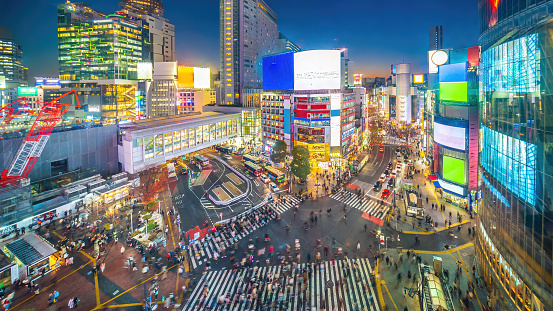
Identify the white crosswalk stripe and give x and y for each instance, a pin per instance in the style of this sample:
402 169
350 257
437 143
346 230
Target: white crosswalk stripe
287 204
371 207
330 285
206 203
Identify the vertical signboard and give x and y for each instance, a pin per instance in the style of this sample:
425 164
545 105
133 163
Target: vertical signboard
335 120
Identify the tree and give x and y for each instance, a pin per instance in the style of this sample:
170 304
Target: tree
279 151
300 162
152 183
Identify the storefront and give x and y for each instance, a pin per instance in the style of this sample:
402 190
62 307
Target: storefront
34 253
114 193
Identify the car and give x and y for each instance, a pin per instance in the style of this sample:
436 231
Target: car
381 149
239 151
377 186
227 156
264 178
273 187
387 173
391 182
394 173
385 193
398 167
382 178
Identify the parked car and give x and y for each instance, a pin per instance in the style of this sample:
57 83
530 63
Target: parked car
377 186
394 172
273 187
264 178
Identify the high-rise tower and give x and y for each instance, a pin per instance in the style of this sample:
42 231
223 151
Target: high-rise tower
249 31
12 71
436 38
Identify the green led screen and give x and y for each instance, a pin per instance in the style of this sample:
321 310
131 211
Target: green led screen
453 170
454 91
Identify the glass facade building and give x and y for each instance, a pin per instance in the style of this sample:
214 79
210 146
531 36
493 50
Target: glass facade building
515 218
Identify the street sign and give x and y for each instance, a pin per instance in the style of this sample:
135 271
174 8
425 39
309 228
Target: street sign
382 240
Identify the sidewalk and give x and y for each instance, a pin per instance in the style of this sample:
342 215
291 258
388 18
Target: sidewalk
394 294
411 225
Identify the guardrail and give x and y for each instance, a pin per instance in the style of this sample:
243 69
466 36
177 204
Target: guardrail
217 202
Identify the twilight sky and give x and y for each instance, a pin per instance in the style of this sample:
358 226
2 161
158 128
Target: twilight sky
378 33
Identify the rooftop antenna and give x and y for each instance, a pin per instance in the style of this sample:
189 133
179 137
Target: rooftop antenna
335 44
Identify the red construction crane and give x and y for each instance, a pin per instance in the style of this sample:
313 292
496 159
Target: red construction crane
37 137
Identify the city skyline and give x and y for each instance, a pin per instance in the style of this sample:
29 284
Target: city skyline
197 31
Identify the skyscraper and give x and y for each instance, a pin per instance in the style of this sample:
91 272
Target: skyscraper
12 71
436 38
249 31
514 243
90 49
143 7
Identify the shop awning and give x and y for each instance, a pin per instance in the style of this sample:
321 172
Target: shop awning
30 249
437 184
108 189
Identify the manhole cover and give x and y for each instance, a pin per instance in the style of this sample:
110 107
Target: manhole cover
329 284
464 254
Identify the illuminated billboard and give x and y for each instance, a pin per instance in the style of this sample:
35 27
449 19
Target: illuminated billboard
437 58
454 91
48 83
358 79
27 91
2 82
144 71
454 170
418 79
278 72
453 72
317 70
450 136
194 78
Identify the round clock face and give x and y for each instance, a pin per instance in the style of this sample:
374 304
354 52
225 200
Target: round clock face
439 58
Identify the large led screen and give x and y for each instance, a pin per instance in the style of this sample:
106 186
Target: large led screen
450 136
278 72
453 73
453 170
186 78
454 91
144 71
317 70
511 161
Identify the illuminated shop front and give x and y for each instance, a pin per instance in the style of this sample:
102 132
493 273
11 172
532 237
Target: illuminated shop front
33 253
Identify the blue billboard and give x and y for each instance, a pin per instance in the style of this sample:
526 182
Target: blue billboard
453 72
278 72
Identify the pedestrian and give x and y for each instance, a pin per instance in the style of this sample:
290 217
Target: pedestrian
358 244
122 250
56 295
366 228
50 299
294 214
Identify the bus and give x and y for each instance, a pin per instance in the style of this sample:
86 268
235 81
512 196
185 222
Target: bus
275 174
224 149
252 159
253 168
201 159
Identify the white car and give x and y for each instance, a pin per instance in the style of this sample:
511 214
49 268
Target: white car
398 167
394 172
382 178
273 187
264 178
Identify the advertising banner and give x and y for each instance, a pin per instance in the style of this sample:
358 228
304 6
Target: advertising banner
317 70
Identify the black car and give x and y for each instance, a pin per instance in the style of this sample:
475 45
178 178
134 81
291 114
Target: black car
377 186
391 182
387 173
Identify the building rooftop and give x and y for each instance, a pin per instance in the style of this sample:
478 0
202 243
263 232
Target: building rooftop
170 120
30 249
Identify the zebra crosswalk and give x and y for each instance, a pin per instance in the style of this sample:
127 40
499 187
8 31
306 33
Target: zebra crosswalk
213 246
331 285
371 207
286 204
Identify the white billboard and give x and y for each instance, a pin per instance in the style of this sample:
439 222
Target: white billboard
202 78
144 71
335 131
317 70
450 136
2 82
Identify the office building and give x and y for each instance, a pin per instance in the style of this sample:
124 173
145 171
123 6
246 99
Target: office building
514 242
161 97
285 45
436 38
346 68
143 7
93 45
194 100
249 31
161 40
12 71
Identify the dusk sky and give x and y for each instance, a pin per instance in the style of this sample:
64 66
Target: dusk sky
377 33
